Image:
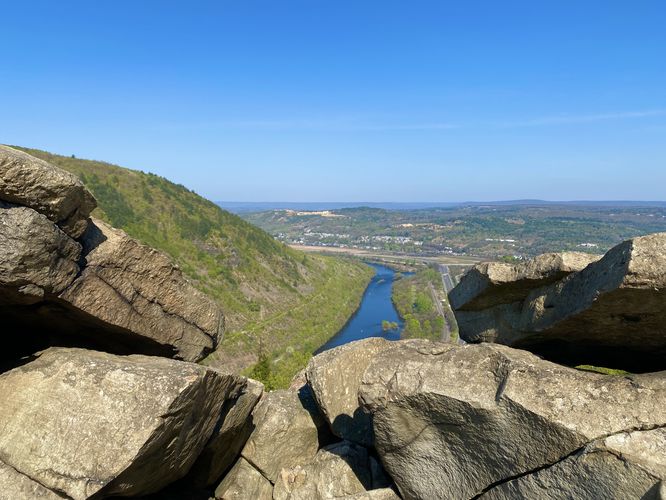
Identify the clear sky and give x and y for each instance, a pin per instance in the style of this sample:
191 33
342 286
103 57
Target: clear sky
316 100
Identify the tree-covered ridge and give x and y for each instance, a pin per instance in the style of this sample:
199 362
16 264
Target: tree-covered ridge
266 289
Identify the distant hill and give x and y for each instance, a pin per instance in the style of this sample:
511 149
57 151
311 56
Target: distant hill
262 285
242 207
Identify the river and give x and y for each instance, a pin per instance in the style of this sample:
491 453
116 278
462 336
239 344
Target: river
375 307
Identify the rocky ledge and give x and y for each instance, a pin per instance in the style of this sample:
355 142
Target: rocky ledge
101 398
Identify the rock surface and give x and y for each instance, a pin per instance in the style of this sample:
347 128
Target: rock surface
244 482
35 252
610 313
335 377
16 486
621 466
59 195
452 421
288 431
493 283
89 424
339 470
233 430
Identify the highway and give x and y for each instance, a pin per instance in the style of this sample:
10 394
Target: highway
446 278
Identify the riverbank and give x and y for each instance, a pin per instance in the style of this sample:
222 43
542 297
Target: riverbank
276 348
375 311
423 305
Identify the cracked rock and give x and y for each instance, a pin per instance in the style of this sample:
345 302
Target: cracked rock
340 470
244 482
59 195
90 424
288 431
452 421
621 466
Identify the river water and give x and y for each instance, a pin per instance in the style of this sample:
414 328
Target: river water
376 306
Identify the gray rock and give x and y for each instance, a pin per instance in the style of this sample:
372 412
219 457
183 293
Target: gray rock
609 314
621 466
340 470
90 424
244 482
233 430
135 288
33 251
493 283
435 406
287 432
59 195
335 377
16 486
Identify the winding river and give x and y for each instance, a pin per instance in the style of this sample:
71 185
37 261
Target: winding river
376 306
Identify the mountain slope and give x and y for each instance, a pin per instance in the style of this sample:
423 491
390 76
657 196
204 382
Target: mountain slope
260 283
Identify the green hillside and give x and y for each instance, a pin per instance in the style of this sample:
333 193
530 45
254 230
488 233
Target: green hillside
279 303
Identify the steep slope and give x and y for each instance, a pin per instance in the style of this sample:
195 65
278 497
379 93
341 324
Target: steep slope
265 288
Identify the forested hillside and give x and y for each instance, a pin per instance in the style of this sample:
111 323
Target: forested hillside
265 288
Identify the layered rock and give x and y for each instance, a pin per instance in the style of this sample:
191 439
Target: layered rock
610 313
288 431
340 470
138 289
493 283
456 421
90 424
111 294
59 195
335 377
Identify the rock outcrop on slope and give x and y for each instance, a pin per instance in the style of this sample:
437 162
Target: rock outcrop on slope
71 280
611 312
493 283
59 195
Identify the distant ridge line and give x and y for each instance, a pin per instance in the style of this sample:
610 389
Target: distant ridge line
247 206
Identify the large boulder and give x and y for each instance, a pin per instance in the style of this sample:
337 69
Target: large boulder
229 437
112 294
134 287
335 377
288 431
339 470
244 482
89 424
35 254
59 195
618 467
453 421
492 283
611 313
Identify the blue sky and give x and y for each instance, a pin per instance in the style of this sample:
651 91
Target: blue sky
348 100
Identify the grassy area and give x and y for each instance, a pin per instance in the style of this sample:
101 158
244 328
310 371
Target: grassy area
602 370
422 303
284 343
279 303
